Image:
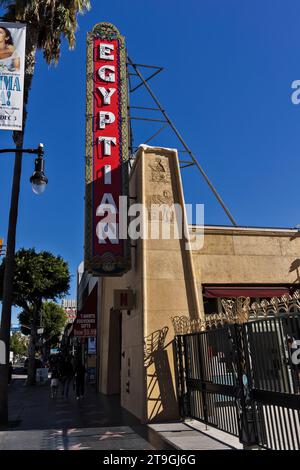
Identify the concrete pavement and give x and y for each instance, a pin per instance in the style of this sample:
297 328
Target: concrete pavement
193 435
96 422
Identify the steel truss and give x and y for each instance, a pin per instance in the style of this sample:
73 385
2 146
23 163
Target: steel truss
133 70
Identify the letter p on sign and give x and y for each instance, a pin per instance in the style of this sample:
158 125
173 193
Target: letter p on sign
2 353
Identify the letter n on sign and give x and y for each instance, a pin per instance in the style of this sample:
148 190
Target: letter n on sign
106 175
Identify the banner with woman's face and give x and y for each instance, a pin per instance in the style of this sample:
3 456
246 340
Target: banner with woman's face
12 63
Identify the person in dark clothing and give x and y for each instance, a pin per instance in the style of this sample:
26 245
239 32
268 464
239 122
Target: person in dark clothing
80 380
67 375
10 372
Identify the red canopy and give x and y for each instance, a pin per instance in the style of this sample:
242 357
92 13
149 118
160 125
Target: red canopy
244 291
85 323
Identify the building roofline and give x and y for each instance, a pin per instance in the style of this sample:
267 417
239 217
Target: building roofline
227 229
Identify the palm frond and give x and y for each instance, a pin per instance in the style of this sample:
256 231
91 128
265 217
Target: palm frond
52 20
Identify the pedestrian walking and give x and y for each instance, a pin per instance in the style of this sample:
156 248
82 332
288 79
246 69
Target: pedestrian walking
67 376
80 380
54 382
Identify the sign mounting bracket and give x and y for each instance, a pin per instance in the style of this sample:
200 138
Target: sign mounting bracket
193 160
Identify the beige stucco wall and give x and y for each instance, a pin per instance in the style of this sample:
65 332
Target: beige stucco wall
170 287
163 279
132 347
166 279
250 256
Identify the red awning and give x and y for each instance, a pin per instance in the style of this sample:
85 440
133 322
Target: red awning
240 291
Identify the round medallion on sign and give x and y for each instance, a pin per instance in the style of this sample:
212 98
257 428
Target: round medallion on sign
108 262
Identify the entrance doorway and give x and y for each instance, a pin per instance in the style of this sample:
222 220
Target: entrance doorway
114 352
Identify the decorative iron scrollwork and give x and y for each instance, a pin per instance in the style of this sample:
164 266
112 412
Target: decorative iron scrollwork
238 310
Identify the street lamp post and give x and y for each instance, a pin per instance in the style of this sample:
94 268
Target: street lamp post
38 178
38 181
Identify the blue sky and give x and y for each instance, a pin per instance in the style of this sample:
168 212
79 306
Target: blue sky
228 69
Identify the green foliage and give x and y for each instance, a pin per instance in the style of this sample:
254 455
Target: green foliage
52 19
53 320
25 321
37 277
18 344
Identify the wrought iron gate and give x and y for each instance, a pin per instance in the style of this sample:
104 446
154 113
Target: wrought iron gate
244 380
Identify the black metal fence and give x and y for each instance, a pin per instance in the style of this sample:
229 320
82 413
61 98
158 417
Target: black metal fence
244 380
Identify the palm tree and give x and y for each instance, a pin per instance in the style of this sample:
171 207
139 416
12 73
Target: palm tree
48 22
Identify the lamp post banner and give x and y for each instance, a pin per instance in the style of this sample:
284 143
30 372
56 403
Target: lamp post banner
12 64
106 252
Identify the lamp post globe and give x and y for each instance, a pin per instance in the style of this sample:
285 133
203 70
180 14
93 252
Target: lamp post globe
38 183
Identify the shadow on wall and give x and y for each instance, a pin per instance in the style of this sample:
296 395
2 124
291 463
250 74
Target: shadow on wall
295 266
114 352
161 400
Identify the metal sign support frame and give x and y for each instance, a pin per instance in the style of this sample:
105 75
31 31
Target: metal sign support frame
167 122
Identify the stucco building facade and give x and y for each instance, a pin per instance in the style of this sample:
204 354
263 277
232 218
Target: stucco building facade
134 347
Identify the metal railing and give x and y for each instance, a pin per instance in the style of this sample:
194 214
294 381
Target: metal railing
244 379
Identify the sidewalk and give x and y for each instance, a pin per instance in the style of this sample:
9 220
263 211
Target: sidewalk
37 422
193 435
97 422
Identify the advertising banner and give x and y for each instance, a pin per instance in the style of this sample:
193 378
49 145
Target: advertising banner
106 253
85 324
12 64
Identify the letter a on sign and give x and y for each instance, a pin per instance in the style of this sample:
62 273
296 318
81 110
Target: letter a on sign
106 253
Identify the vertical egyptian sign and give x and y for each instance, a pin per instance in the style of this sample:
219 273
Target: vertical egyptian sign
12 62
106 254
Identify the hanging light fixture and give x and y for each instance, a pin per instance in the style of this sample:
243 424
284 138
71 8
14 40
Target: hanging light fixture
39 180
